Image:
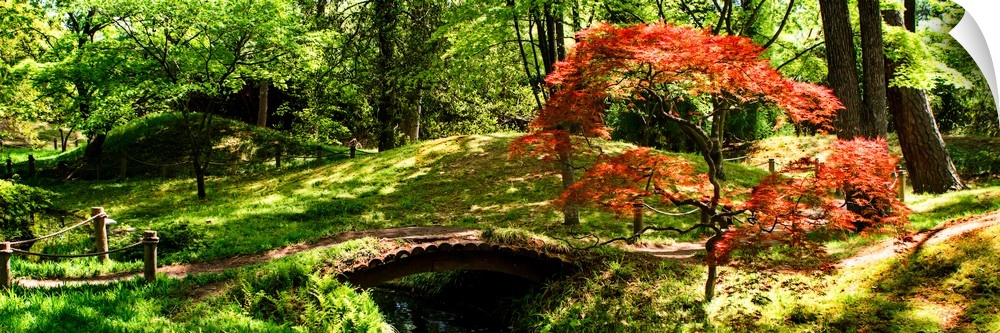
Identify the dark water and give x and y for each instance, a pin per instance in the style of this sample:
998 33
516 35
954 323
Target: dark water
417 315
469 302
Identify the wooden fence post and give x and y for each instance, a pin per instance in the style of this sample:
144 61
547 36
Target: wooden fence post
163 171
319 153
232 166
5 277
31 165
63 168
149 241
770 165
124 164
277 156
100 233
902 185
55 144
636 221
353 150
10 166
816 164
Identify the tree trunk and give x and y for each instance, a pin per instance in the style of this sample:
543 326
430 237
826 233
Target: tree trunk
927 161
535 88
63 137
841 61
95 148
199 176
873 119
262 104
911 14
571 213
385 104
711 258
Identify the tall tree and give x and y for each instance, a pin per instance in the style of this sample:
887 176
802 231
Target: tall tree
386 108
873 69
929 165
203 52
861 117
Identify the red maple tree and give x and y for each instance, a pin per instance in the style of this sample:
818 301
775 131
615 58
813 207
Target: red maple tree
660 65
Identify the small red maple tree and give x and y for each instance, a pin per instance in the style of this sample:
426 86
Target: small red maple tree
659 65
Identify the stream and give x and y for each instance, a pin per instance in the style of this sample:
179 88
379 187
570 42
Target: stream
471 301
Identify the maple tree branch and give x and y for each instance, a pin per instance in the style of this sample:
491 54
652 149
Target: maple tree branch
668 213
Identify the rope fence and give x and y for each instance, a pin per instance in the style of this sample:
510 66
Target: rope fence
81 223
99 221
94 254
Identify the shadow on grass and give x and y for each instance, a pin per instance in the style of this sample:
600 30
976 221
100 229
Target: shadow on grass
946 286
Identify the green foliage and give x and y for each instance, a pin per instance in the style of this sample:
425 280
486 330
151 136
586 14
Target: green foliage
915 65
975 157
18 205
957 109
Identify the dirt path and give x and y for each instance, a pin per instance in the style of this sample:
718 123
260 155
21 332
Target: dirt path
415 234
676 251
916 241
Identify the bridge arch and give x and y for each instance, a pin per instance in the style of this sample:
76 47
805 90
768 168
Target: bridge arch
529 264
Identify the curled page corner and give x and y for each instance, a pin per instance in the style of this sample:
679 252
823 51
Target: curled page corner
969 33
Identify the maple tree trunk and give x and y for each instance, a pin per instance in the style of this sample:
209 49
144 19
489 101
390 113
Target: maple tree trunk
841 61
571 213
873 120
711 260
927 161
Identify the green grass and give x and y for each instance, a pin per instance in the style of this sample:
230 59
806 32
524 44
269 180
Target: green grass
285 295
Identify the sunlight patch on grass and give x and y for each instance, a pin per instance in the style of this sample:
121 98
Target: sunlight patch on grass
930 210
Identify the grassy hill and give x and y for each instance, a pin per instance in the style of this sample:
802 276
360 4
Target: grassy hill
161 140
464 181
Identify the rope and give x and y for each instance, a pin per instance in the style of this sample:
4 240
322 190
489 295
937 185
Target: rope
60 231
229 164
341 152
734 158
154 164
43 255
666 213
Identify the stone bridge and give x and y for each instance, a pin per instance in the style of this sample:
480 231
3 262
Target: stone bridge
532 264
